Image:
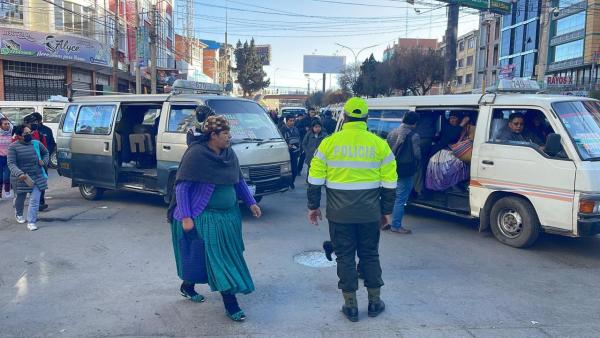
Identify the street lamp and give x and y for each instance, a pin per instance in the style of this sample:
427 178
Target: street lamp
275 74
307 76
352 50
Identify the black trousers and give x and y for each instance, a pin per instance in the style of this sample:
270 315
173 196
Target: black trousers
360 239
294 163
301 161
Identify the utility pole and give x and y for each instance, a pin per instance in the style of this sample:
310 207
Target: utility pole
138 71
226 50
153 38
450 54
115 70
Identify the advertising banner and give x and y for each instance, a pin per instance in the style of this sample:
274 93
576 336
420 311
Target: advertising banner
64 47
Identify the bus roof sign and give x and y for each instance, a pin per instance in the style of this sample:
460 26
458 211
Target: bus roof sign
193 87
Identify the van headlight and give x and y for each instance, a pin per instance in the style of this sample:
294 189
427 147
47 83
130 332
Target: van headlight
589 204
246 173
286 168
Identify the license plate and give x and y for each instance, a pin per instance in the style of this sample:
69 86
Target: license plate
252 189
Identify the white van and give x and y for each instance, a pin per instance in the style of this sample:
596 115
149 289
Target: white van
518 189
135 142
15 111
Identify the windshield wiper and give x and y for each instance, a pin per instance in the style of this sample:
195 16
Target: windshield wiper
247 140
270 140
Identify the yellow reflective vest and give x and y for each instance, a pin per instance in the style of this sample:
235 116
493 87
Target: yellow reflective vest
354 164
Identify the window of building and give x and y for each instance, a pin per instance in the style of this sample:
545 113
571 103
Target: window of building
461 46
519 39
73 18
520 11
567 51
495 56
471 43
468 78
505 43
469 61
459 80
532 9
497 30
571 23
11 11
528 65
562 4
461 63
507 19
95 120
531 35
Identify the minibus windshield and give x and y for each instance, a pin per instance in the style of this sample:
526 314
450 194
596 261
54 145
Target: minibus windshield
248 121
582 121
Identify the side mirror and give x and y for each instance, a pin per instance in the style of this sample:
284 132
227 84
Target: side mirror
553 146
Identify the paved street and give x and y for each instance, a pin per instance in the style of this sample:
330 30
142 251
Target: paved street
106 268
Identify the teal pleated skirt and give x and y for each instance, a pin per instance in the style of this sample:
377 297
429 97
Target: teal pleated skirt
220 226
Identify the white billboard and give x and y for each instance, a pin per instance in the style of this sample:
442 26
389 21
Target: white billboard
324 64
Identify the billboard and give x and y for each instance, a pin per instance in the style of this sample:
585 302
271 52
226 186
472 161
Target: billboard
264 54
64 47
324 64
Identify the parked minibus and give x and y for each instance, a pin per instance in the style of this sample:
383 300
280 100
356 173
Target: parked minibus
518 189
135 142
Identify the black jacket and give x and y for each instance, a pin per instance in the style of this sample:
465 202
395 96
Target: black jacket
292 137
47 132
329 124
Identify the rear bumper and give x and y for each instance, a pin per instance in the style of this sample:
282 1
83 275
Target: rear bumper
588 226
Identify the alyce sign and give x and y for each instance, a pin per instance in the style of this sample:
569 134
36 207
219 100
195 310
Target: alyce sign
20 42
559 81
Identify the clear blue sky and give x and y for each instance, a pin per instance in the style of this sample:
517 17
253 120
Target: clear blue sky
294 28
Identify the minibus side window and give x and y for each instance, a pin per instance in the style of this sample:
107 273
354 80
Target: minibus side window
519 126
16 114
69 121
52 115
95 120
181 119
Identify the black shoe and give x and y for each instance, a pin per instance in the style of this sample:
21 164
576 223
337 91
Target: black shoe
351 313
375 309
328 247
43 207
292 186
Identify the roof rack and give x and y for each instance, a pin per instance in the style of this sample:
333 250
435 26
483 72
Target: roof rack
194 87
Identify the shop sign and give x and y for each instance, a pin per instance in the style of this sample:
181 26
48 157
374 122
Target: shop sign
507 72
64 47
559 81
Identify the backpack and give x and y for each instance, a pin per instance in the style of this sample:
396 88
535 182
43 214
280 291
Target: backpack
406 163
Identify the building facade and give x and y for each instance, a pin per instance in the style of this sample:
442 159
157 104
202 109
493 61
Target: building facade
573 46
519 40
189 55
406 43
488 53
466 54
47 47
211 59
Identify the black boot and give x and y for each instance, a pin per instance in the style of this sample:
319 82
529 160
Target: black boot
375 309
350 307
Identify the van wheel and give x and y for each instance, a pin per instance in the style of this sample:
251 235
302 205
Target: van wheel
514 222
90 192
53 163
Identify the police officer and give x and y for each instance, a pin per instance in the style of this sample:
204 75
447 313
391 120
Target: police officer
358 170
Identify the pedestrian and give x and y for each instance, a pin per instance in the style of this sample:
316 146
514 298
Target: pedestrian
5 141
359 171
328 122
405 144
208 185
31 121
292 138
26 161
302 124
312 140
45 133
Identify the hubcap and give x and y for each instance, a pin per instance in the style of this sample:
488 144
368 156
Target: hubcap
510 223
88 189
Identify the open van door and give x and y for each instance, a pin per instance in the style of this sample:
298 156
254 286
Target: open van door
64 134
93 162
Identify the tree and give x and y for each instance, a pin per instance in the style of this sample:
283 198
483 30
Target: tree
250 73
348 78
417 70
371 82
